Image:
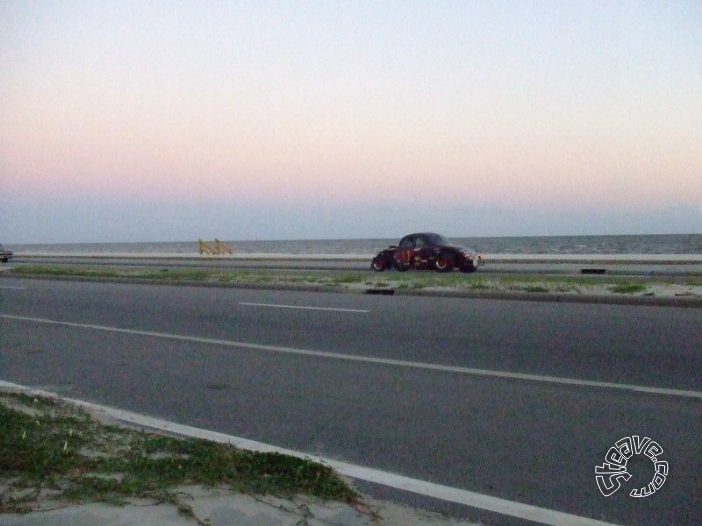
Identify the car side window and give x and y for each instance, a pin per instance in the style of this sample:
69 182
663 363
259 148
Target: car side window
408 242
419 242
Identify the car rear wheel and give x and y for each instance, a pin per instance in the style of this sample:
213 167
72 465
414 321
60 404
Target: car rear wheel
444 262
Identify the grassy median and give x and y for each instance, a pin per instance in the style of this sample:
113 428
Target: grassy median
413 281
54 452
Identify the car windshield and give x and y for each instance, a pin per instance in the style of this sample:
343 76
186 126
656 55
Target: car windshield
436 239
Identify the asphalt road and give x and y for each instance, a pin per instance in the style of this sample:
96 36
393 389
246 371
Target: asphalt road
416 386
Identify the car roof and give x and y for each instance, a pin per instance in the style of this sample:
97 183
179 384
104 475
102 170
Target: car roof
431 237
422 234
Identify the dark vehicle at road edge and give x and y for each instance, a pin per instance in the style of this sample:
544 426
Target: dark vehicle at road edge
427 251
5 255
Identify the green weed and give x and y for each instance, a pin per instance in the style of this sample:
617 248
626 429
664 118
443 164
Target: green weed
628 288
47 446
31 270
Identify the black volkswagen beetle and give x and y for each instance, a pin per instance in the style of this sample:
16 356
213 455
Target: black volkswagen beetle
426 251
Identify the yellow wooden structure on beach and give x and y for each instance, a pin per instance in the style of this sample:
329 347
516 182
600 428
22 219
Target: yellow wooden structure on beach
218 249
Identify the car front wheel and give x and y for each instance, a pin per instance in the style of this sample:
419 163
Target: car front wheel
466 266
379 264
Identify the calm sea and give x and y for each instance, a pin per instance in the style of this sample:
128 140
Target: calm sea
630 244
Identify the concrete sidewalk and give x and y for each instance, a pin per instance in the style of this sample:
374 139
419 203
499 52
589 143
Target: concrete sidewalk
222 508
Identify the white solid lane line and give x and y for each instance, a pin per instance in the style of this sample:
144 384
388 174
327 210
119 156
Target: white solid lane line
12 287
421 487
369 359
301 307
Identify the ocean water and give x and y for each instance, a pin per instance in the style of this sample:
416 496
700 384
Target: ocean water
629 244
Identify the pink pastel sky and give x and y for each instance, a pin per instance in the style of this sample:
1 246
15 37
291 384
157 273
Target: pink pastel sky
135 121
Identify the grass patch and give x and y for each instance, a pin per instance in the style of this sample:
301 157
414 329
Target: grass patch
628 288
51 450
479 284
378 284
31 270
169 275
527 284
345 279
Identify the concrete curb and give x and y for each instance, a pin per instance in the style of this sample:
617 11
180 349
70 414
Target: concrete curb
565 298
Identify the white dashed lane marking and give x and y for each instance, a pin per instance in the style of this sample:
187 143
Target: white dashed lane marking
369 359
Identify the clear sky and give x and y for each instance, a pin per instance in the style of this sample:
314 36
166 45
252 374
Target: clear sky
169 121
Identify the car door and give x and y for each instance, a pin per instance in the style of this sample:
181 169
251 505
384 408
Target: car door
405 251
421 252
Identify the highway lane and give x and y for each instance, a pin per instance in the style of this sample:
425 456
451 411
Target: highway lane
652 346
528 441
